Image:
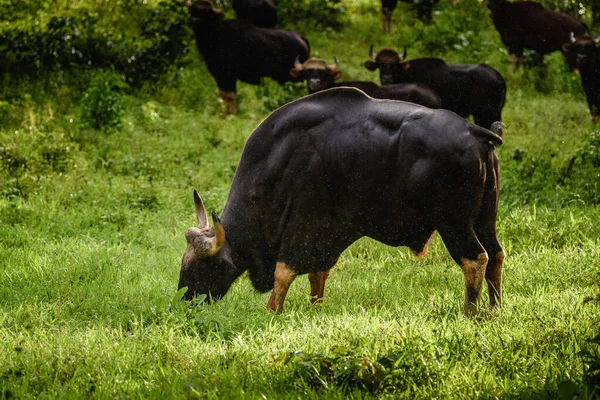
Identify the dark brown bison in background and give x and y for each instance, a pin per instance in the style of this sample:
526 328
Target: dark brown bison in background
323 171
528 25
583 53
467 89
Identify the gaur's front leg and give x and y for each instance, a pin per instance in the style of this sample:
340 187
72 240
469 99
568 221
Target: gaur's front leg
317 286
284 276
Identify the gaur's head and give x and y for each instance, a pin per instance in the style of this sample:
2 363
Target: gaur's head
206 266
317 73
203 11
388 62
580 51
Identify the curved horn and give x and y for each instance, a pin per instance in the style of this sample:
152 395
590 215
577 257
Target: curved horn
200 211
335 65
219 233
371 52
403 56
297 64
597 40
572 37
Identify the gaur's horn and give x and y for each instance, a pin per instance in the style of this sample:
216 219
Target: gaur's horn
371 52
335 64
403 56
219 233
297 64
200 211
597 40
572 37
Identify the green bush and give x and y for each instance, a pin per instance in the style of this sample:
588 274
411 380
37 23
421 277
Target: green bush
144 48
102 103
589 153
275 95
313 13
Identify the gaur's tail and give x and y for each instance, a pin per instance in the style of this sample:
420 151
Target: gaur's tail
493 135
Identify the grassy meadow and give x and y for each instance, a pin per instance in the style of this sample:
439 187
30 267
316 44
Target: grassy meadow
92 225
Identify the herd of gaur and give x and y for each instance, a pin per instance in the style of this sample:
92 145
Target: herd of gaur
396 162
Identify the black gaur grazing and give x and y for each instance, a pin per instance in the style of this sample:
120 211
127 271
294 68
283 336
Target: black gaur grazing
237 50
528 25
584 54
320 76
467 89
323 171
261 13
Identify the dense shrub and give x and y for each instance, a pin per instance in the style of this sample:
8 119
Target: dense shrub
141 53
313 13
275 95
102 104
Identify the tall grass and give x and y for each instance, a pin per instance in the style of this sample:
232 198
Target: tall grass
91 235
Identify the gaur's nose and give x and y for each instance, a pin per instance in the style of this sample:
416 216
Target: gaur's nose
314 84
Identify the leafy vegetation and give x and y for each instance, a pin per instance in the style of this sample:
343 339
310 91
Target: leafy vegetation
97 167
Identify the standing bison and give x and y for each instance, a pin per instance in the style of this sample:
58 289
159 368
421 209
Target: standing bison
332 167
584 54
528 25
237 50
320 76
467 89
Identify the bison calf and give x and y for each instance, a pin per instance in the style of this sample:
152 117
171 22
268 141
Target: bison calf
323 171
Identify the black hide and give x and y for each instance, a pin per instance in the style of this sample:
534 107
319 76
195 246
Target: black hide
323 171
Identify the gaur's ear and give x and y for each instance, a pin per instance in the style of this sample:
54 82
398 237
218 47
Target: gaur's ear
337 75
200 211
371 65
566 47
220 12
405 66
295 73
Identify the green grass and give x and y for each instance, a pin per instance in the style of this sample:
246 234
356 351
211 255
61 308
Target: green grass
92 231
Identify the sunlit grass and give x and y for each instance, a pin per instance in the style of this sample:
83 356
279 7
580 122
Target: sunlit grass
92 231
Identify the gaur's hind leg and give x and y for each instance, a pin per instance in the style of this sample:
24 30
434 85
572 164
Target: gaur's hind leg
317 286
284 276
493 273
515 61
467 252
485 228
229 98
